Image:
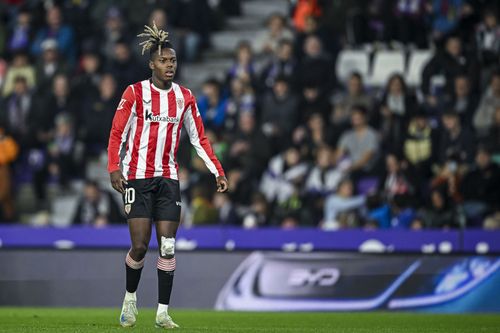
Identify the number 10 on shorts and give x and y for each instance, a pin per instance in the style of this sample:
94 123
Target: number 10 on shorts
129 195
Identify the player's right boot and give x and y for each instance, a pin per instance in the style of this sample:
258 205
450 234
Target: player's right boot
129 311
163 320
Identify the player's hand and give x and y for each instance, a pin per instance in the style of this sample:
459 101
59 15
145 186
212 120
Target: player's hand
222 184
117 181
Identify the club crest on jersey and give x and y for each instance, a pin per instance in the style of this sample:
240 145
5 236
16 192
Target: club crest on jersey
152 118
128 207
180 103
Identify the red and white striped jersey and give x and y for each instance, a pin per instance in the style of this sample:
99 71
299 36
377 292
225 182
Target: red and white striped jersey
150 120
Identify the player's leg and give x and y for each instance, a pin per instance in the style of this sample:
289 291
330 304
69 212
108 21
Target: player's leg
140 234
138 207
167 213
165 232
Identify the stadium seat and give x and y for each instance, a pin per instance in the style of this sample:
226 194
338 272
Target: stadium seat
416 63
367 185
350 61
386 63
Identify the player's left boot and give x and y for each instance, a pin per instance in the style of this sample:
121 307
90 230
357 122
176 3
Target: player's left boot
129 311
163 320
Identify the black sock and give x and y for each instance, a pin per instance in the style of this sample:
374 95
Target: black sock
133 271
166 268
133 277
165 282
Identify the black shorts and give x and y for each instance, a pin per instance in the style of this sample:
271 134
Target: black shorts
155 198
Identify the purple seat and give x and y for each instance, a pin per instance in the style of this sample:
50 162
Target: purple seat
367 185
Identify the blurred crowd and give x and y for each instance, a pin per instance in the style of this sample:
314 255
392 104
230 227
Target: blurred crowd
300 146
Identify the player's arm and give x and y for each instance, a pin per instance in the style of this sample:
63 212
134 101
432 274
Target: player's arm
196 131
118 134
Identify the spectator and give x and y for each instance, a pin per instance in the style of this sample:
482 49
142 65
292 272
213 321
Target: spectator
398 181
449 178
248 150
59 100
360 144
242 99
56 29
395 110
493 139
463 100
313 28
440 212
226 210
212 105
324 177
115 31
97 115
456 141
403 216
266 43
410 23
488 40
312 136
124 67
375 23
49 65
61 151
284 171
279 113
442 69
21 34
420 144
192 20
397 213
481 186
303 11
282 64
445 15
204 212
342 210
313 100
258 214
19 67
15 112
8 153
87 81
343 103
243 67
315 69
489 102
96 207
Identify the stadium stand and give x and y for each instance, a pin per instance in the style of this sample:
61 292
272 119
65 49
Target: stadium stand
59 95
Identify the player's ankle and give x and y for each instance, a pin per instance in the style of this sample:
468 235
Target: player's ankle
162 308
130 296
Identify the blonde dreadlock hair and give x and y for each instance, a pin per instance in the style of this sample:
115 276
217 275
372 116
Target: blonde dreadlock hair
155 37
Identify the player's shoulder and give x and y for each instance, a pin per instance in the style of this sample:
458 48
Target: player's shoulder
185 91
137 85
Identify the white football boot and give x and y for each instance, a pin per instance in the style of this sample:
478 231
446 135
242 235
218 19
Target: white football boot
163 320
129 311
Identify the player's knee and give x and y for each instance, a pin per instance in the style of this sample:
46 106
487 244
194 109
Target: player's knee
138 250
167 247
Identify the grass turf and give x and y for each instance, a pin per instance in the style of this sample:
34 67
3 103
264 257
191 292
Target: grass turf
14 320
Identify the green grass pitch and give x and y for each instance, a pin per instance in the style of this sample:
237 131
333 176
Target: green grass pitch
16 320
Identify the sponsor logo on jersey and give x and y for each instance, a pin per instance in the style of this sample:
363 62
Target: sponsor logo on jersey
152 118
178 203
